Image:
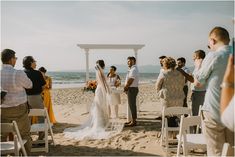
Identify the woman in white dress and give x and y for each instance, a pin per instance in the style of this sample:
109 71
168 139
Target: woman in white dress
98 125
114 81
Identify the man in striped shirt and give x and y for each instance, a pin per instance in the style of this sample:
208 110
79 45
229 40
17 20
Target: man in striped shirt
14 107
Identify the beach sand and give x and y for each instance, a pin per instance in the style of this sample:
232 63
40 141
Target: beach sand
71 109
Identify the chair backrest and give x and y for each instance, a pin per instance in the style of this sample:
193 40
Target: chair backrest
170 111
186 122
227 150
7 128
37 112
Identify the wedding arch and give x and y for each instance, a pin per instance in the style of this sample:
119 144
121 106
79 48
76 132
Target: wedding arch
88 47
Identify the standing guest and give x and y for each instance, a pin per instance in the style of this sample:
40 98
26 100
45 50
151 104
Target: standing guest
160 75
181 64
34 95
114 81
161 63
46 95
211 72
227 96
14 107
198 93
131 89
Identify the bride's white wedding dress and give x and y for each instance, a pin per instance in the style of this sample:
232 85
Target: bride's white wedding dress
98 125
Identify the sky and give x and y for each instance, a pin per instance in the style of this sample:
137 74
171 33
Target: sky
50 30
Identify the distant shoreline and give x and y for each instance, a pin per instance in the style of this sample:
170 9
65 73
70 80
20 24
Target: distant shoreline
81 85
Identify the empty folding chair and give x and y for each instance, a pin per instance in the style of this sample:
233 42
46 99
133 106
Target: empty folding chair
15 146
41 127
170 111
187 140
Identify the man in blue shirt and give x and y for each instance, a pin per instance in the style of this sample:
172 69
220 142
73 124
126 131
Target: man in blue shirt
210 73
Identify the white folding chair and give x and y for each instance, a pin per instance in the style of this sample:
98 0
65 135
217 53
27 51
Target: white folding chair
170 111
189 141
227 150
41 127
15 146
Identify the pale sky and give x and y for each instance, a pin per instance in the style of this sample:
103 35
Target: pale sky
50 31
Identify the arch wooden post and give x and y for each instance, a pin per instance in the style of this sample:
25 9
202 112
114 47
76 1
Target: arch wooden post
87 64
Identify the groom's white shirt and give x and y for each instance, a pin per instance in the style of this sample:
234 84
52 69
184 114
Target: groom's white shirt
133 72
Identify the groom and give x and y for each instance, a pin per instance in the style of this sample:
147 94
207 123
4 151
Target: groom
131 89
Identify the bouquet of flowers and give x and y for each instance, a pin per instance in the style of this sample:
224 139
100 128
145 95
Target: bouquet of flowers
90 86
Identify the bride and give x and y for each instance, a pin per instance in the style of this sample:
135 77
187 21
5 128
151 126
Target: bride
98 125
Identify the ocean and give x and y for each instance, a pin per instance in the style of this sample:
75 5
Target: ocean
77 79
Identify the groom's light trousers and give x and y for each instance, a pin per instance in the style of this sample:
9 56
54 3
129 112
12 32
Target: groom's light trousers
132 95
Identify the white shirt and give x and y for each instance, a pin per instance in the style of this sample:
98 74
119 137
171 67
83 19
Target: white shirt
133 72
160 73
14 82
112 80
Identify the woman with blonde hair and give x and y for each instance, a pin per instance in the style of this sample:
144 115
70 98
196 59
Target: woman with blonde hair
170 85
169 88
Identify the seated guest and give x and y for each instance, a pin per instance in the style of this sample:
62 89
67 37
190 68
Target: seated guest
227 96
14 107
114 81
198 93
34 95
170 88
46 95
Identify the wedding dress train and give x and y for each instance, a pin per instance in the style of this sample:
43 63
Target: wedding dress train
98 125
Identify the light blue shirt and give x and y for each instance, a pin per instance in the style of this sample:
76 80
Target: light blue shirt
195 88
211 74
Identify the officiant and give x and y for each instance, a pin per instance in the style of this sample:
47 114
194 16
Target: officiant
114 81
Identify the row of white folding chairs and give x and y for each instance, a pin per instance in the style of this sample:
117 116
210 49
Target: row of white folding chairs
18 143
195 121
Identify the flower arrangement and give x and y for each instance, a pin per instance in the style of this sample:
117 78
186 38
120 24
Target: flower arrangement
90 86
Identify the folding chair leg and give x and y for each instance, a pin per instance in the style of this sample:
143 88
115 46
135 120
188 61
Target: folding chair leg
49 126
52 135
161 140
185 150
178 147
166 141
16 146
46 141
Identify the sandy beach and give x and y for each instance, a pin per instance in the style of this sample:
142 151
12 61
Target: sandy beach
71 109
71 106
